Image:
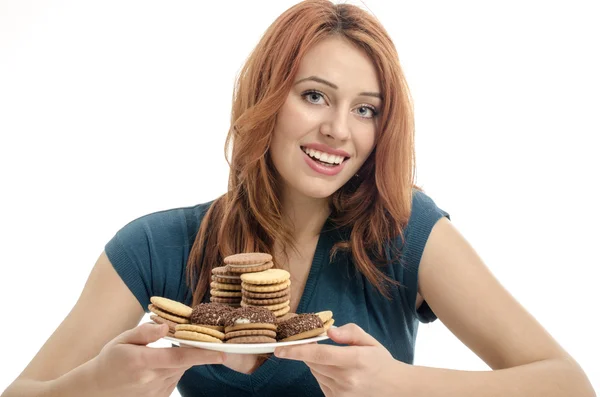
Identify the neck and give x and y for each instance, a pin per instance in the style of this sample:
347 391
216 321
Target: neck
306 215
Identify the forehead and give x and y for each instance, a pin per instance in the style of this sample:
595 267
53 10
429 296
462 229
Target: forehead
337 60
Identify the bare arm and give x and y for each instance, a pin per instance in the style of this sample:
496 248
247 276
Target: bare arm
105 309
468 299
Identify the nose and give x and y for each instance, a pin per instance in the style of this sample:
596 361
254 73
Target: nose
337 126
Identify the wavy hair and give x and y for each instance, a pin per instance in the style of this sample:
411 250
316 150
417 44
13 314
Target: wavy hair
374 207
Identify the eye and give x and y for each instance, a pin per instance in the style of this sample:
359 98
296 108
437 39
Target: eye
367 111
313 97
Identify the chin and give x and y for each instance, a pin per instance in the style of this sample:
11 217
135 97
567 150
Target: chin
317 190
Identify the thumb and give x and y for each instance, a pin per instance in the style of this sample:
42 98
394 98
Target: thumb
352 334
143 334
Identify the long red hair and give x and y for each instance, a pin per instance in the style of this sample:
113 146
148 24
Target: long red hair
375 206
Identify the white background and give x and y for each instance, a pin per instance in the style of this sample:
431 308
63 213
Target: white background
111 110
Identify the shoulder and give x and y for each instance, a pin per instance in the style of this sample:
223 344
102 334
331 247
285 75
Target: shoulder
164 225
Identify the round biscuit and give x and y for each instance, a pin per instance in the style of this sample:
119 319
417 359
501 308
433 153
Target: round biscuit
266 295
304 335
225 286
251 339
272 308
240 327
265 302
168 316
251 332
197 336
202 330
244 269
266 288
270 276
328 324
227 280
219 299
226 294
171 306
325 315
281 312
221 271
247 258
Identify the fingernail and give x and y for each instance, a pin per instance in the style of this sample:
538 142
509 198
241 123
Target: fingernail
280 352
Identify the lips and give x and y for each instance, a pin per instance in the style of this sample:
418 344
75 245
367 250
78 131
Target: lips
319 167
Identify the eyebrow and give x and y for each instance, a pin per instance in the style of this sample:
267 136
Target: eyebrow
335 87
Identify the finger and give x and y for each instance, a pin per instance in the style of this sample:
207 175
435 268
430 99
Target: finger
342 356
325 383
143 334
174 357
329 371
352 334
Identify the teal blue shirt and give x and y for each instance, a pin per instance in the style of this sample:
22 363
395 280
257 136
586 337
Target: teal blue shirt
150 254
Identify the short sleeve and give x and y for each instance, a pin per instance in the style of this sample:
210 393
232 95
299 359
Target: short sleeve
424 215
150 255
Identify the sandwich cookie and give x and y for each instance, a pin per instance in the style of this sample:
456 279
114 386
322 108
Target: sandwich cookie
248 262
170 310
302 326
255 322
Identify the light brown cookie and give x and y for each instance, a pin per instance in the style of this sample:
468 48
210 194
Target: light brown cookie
222 271
251 332
272 308
267 277
226 294
168 316
218 299
266 295
325 315
227 280
251 339
190 335
328 324
226 286
266 288
282 311
304 335
265 302
242 269
248 258
171 306
201 330
240 327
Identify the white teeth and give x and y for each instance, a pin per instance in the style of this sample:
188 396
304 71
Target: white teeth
325 157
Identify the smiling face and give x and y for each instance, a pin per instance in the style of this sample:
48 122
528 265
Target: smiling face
327 126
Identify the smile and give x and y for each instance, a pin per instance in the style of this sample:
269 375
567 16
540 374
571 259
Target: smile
324 163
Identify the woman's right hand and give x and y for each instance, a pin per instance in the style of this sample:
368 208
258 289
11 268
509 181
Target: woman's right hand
127 367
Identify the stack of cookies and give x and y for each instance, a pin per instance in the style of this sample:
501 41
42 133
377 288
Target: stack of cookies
226 285
250 325
269 289
170 312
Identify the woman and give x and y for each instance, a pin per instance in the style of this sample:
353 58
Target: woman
322 171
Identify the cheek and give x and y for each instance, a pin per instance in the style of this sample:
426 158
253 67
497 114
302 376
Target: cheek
295 119
365 141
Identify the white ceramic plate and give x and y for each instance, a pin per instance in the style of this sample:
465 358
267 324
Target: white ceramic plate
246 348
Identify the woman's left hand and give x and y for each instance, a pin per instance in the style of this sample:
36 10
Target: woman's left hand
365 368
